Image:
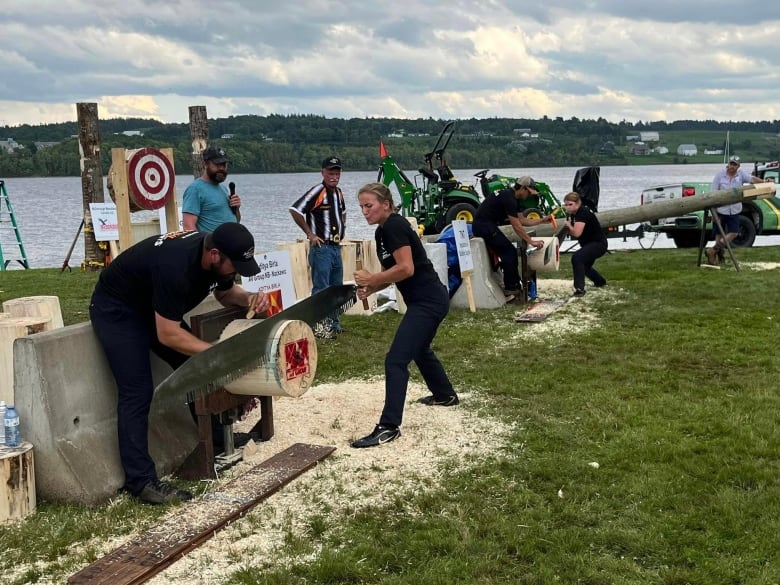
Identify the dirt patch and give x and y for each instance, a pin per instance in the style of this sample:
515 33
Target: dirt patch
349 480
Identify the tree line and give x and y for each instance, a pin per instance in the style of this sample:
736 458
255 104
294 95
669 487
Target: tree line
298 143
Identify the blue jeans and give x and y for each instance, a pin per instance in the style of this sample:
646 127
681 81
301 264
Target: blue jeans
326 269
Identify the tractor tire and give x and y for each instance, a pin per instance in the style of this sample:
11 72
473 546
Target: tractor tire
460 211
532 213
747 233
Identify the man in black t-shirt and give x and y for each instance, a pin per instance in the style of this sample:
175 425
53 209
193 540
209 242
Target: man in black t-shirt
138 305
493 212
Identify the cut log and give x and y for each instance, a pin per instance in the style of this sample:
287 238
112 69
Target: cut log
17 481
42 307
12 328
291 353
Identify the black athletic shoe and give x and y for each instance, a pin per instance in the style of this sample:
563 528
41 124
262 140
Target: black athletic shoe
600 284
158 492
380 435
579 292
433 401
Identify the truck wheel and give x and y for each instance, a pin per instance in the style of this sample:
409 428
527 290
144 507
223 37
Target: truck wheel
460 211
686 239
747 233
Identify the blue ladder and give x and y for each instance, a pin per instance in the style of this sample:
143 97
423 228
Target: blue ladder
6 200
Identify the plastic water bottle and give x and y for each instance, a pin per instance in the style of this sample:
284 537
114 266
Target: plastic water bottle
2 418
12 438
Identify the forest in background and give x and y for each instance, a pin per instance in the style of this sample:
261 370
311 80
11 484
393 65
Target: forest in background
298 143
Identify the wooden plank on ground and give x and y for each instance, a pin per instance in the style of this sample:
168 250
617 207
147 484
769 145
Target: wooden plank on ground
538 312
195 522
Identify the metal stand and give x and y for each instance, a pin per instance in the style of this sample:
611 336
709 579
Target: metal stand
703 238
202 462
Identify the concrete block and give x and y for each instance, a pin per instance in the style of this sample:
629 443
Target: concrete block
66 397
486 284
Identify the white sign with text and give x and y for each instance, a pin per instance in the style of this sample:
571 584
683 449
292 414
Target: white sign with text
461 232
104 221
274 279
163 220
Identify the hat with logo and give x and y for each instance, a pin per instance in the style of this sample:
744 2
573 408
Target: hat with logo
215 154
331 163
734 159
528 183
235 242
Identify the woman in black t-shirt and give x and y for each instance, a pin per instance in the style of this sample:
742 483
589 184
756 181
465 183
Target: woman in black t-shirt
584 225
406 264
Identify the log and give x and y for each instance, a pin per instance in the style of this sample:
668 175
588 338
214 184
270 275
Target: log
17 478
41 307
291 352
12 328
657 210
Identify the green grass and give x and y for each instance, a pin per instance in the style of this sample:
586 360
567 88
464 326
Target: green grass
674 394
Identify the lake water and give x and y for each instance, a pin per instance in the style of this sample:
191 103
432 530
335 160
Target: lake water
48 210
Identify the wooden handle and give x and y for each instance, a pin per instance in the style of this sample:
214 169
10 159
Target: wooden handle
250 314
359 266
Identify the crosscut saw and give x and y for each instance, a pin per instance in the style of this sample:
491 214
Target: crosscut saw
238 355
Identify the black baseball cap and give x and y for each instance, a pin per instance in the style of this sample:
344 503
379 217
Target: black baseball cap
215 154
331 162
235 242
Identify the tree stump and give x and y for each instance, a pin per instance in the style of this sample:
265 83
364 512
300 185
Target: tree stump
12 328
43 307
17 483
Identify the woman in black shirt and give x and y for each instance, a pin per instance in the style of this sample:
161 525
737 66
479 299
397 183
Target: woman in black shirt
406 264
585 227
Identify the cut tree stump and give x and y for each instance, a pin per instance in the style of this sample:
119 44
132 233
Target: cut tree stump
17 478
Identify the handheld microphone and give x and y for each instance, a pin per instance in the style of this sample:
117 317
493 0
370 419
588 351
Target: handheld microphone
232 187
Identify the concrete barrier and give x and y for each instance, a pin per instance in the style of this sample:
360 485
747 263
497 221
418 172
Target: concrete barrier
66 397
486 283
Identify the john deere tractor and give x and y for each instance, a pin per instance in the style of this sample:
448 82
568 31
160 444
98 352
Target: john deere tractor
439 198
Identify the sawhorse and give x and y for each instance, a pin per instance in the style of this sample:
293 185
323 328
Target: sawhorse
201 463
719 227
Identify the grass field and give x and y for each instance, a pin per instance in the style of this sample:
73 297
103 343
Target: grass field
666 379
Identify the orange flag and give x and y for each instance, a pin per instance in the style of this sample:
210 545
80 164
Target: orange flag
382 150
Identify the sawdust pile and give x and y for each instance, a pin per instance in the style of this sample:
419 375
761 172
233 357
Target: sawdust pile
347 481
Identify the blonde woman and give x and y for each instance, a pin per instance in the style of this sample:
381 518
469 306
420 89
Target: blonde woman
405 263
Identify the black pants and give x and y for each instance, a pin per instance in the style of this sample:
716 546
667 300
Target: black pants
127 340
582 264
503 248
412 342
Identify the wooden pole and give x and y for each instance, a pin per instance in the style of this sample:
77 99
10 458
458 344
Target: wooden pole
199 132
91 181
657 210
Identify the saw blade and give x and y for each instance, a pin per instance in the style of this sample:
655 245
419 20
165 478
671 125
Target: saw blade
238 355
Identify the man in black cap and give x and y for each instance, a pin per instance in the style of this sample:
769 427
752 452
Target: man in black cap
493 212
322 215
206 203
138 306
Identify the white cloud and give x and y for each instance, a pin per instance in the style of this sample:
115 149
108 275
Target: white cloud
462 58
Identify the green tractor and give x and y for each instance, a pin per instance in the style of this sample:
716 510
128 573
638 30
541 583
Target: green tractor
534 206
440 198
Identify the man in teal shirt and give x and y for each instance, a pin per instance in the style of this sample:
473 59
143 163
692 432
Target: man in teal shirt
207 204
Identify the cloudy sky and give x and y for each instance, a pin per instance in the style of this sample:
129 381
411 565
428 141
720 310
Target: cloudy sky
618 59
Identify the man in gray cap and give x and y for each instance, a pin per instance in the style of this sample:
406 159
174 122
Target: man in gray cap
730 177
207 204
493 212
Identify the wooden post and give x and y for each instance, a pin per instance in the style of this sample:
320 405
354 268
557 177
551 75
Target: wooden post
91 181
171 206
199 132
17 483
122 197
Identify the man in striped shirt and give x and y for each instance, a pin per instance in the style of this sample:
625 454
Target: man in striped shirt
322 215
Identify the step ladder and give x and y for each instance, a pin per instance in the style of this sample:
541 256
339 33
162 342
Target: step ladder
8 224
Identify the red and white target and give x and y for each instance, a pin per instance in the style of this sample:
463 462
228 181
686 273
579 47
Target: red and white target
151 178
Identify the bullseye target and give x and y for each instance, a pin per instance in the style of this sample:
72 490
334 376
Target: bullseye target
151 178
